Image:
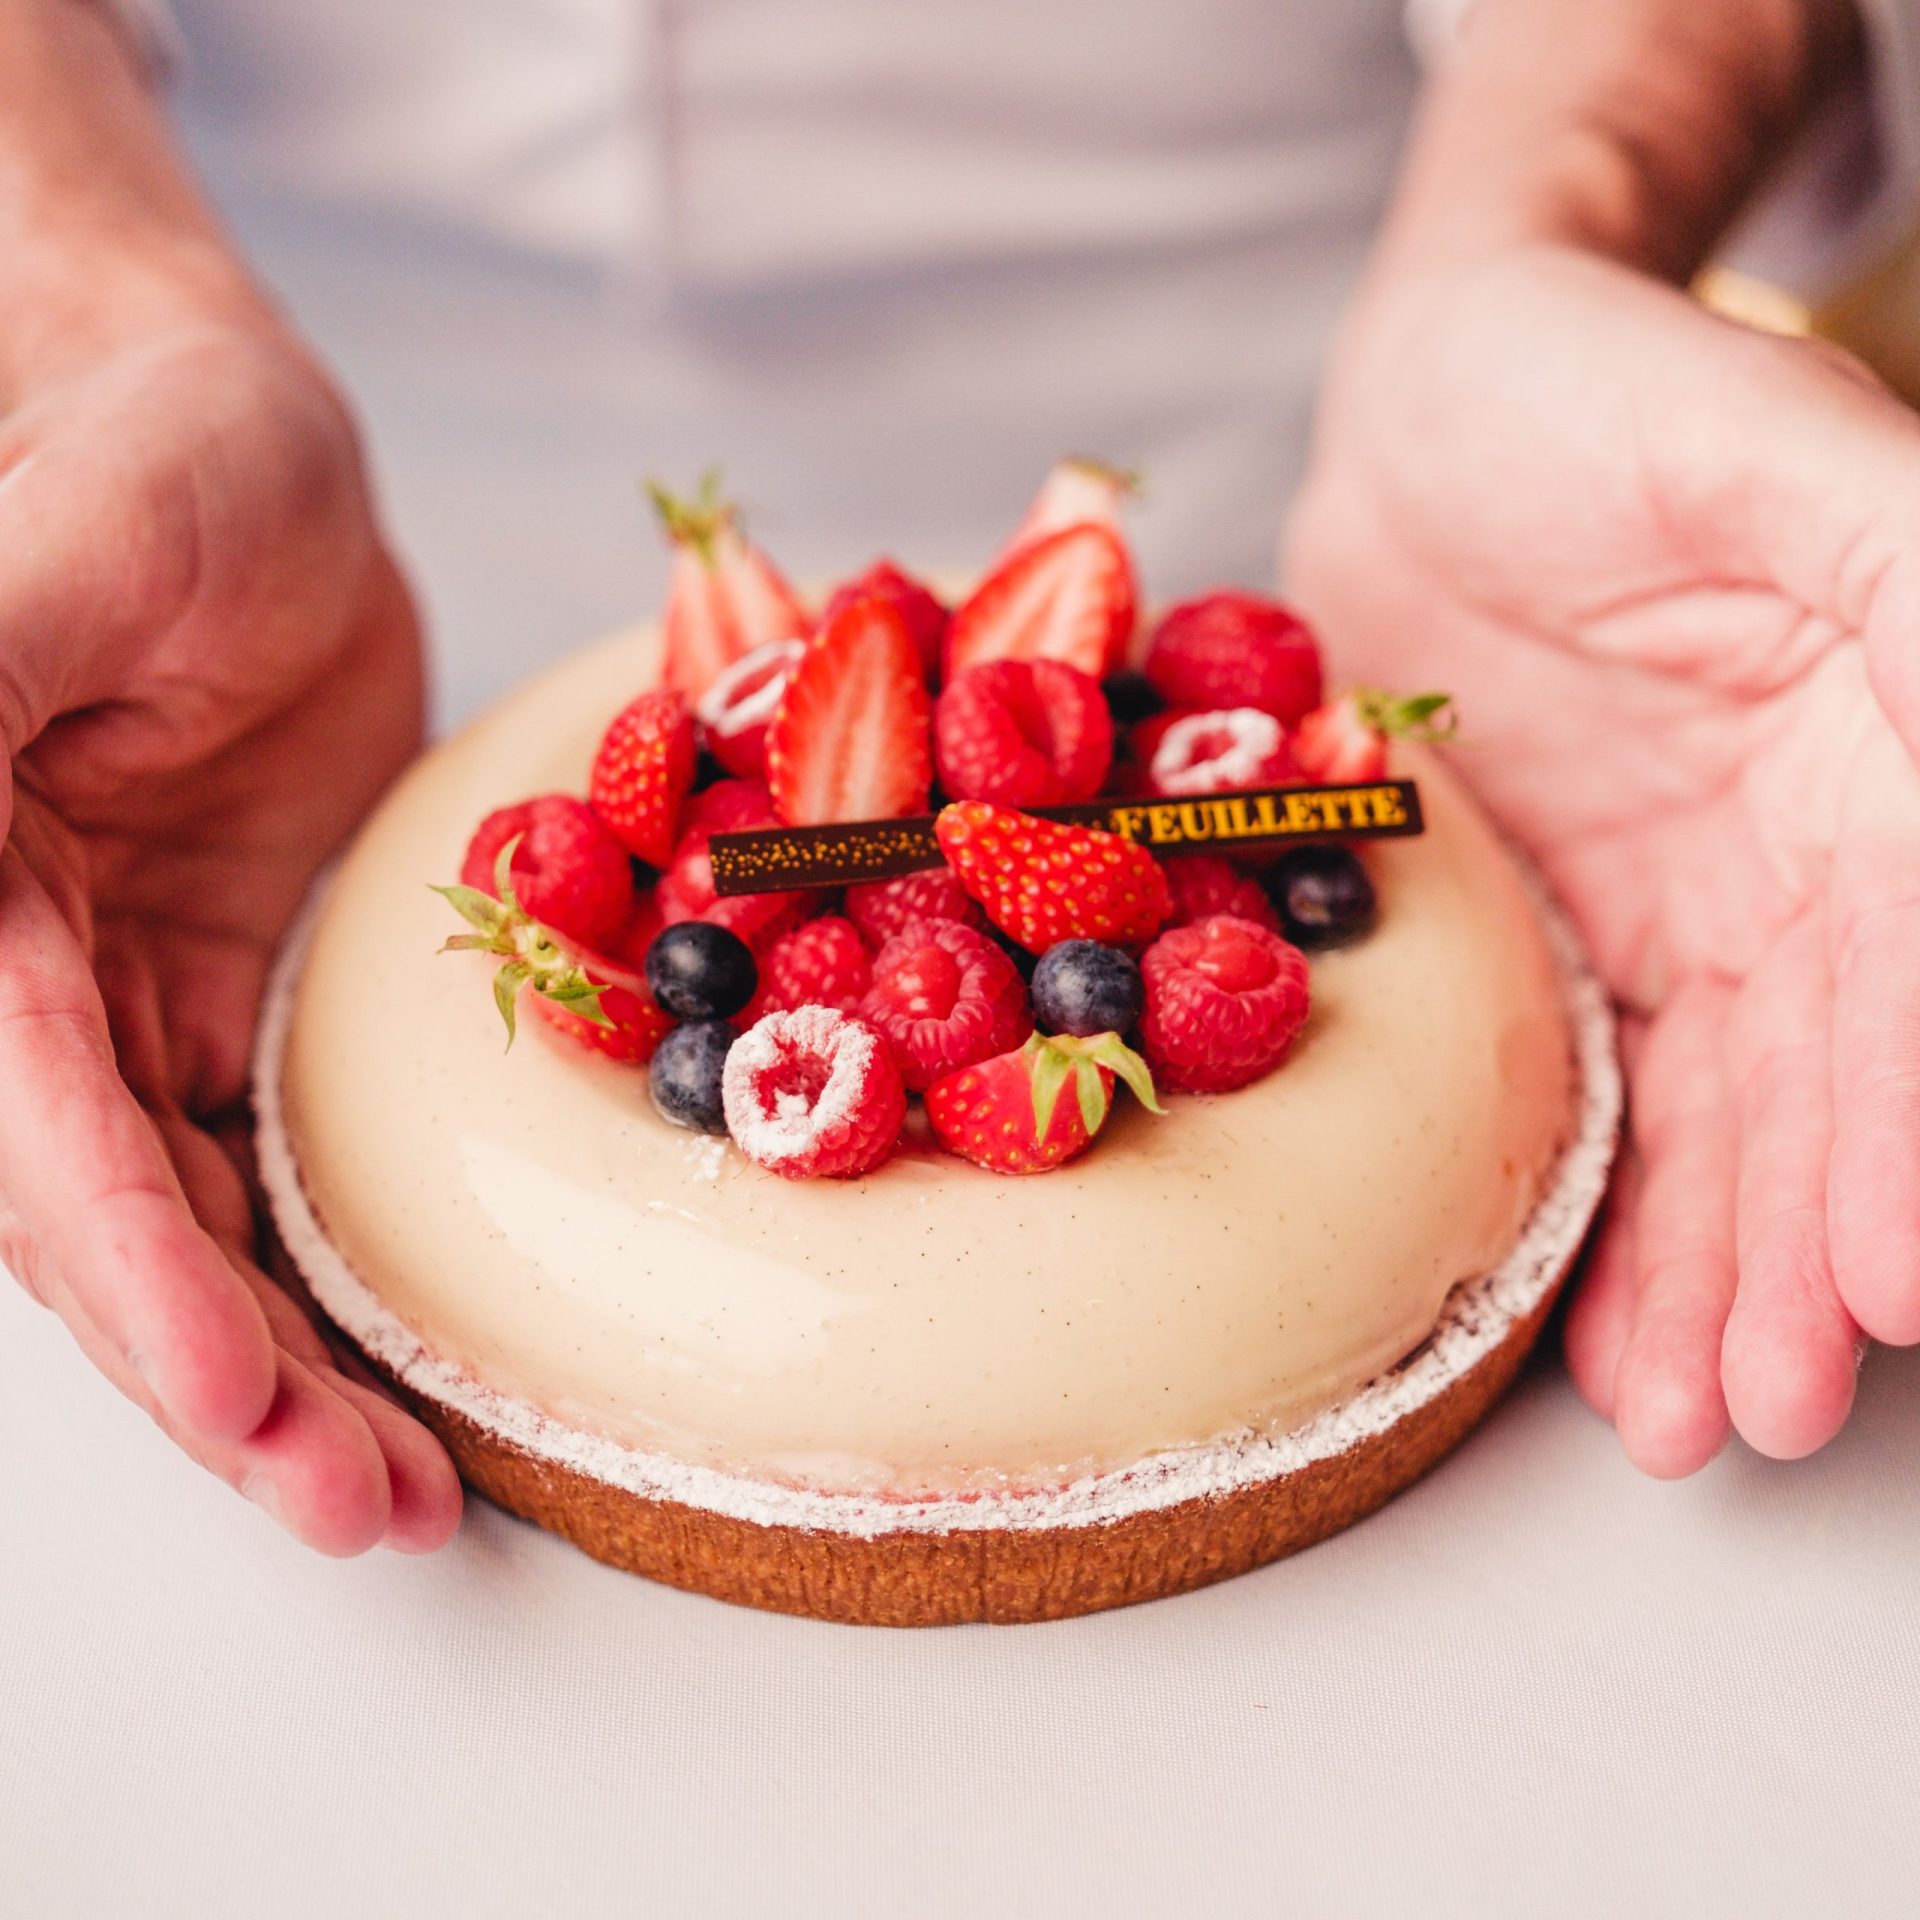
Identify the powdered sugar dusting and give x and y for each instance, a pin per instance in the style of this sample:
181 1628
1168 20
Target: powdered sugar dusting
716 709
790 1126
1255 736
1477 1317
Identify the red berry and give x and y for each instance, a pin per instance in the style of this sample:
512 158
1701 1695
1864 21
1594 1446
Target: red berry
642 772
1028 1110
1042 882
1225 999
1067 596
724 596
813 1092
1344 743
1217 752
850 739
633 1025
820 963
1236 650
734 712
686 884
924 615
569 872
1075 491
1024 733
944 996
881 908
1202 885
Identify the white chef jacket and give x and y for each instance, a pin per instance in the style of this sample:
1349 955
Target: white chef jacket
883 258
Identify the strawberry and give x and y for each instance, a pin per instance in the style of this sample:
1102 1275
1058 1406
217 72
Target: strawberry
1024 733
642 772
812 1093
642 924
923 611
820 963
1075 491
1067 596
944 996
1345 742
569 872
882 908
1006 1114
631 1024
1225 1000
724 596
734 711
1235 650
1203 884
849 741
686 883
1042 882
1216 752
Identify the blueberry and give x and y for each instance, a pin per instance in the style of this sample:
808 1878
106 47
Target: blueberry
1323 896
1082 987
684 1075
700 972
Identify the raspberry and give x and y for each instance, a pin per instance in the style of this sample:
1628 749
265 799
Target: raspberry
642 771
569 872
813 1093
1236 650
882 908
735 711
820 963
1202 884
1225 999
1025 733
1216 752
944 997
686 885
925 616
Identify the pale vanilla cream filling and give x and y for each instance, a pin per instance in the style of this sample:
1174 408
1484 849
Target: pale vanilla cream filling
1241 1263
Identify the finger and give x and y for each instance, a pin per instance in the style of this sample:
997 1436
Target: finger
1788 1363
90 1185
1601 1313
1668 1403
425 1489
1873 1185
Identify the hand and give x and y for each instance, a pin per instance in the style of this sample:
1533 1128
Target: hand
1671 569
209 667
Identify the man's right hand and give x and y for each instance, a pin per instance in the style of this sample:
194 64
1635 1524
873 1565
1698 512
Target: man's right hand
209 668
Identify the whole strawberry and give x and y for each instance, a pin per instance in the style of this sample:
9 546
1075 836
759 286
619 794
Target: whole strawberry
882 908
736 709
686 889
944 996
1008 1114
724 596
568 870
1217 752
642 773
630 1026
1041 882
921 611
1203 884
820 963
1225 1000
1345 742
813 1093
1023 733
1233 649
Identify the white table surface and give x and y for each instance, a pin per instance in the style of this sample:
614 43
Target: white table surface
1537 1683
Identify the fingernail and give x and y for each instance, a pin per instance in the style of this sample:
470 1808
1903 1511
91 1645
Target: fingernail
260 1489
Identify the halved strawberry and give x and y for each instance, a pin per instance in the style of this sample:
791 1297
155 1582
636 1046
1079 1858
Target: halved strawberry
1345 741
735 710
1075 491
851 738
920 607
724 596
1067 596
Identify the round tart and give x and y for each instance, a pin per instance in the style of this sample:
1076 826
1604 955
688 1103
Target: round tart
930 1394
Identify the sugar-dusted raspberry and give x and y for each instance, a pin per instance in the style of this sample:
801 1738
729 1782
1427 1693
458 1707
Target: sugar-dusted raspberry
812 1093
1225 1000
1203 884
569 872
944 996
1216 752
820 963
686 886
882 908
734 712
1025 733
